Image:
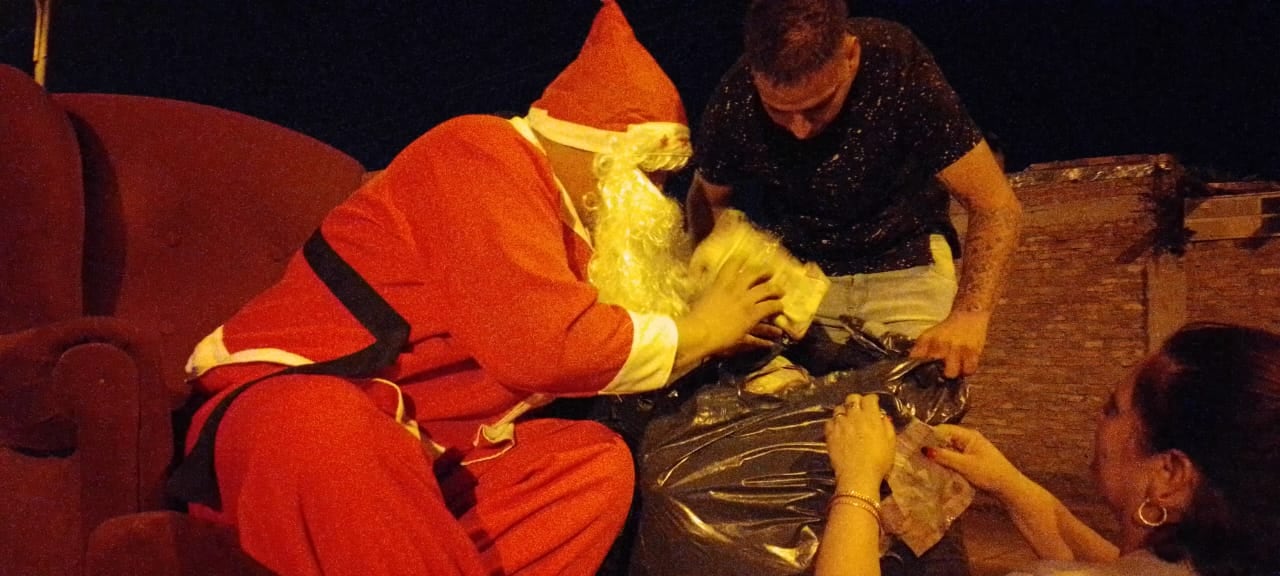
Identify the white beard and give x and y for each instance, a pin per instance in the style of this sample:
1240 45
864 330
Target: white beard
641 248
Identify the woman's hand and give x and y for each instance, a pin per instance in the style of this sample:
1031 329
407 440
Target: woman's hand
975 458
860 439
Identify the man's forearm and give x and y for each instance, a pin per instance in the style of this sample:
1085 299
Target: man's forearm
989 245
701 218
703 205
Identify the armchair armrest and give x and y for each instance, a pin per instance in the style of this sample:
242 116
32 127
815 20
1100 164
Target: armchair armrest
91 387
167 544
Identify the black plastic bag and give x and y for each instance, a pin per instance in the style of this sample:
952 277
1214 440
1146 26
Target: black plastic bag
735 483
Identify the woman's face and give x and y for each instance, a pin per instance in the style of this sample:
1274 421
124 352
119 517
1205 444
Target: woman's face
1121 462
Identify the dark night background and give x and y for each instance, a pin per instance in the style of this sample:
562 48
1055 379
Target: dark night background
1056 80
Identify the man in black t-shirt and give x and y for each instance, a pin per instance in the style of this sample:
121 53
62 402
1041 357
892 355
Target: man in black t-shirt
854 143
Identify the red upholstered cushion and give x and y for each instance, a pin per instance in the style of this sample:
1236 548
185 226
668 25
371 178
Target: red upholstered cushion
41 207
192 210
167 544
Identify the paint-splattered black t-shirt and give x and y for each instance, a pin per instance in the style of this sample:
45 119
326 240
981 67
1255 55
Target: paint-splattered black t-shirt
862 195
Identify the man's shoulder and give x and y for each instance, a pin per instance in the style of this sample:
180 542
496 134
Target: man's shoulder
474 127
735 84
478 139
884 38
881 29
464 135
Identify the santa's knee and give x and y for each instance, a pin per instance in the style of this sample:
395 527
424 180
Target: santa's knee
299 423
611 472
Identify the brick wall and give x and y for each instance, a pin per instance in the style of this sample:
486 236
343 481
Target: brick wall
1232 266
1086 299
1235 280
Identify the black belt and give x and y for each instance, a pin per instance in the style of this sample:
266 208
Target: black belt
195 479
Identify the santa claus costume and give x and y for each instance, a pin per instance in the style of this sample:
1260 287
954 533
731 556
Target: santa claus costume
366 411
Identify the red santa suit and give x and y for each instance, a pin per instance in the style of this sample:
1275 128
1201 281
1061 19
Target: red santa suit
366 410
469 238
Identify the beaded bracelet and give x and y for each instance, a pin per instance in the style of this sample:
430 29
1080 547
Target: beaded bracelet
872 502
857 503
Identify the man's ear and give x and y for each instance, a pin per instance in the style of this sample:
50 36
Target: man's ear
851 49
1175 483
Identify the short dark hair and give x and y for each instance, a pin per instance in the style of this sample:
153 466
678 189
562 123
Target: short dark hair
787 40
1212 391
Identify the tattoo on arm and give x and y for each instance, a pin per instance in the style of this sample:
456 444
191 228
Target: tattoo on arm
989 244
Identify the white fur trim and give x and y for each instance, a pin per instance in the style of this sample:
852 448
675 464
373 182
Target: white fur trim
212 352
653 355
503 432
589 138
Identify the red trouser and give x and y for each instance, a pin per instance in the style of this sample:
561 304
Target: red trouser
318 480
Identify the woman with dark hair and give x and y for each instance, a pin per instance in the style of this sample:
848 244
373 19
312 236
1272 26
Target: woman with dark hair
1187 455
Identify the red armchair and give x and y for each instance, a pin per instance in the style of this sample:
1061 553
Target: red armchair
130 227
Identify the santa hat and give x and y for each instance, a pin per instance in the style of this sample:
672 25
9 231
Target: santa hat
613 93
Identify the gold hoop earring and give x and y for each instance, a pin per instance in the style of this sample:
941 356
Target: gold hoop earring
1158 522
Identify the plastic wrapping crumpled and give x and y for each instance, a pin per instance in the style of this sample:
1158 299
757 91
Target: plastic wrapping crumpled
803 285
736 483
926 498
